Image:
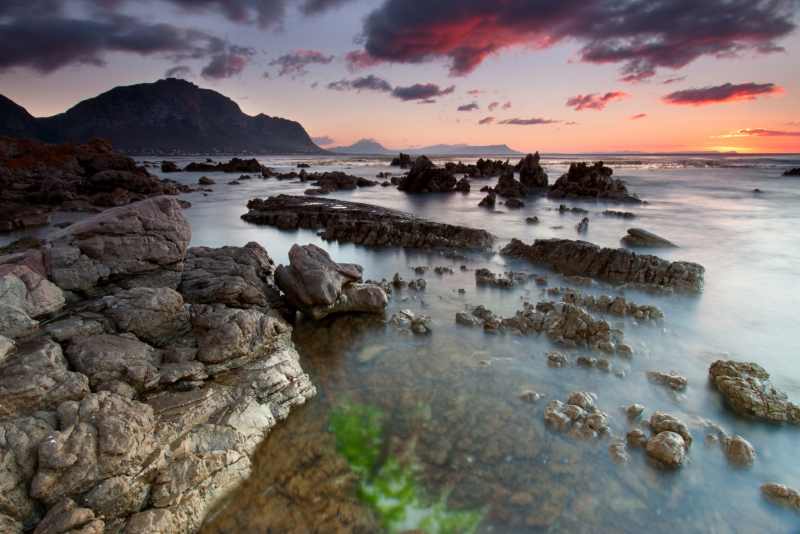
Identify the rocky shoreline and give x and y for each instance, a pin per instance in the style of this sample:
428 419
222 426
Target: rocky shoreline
136 375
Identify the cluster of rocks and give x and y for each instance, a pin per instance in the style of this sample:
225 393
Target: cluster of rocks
618 305
409 322
362 224
425 177
747 390
485 277
483 168
615 266
563 208
637 237
531 173
318 286
591 181
781 494
578 416
619 214
330 182
37 178
136 375
402 160
235 165
564 324
792 172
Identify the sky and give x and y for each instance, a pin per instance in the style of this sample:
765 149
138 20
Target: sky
547 75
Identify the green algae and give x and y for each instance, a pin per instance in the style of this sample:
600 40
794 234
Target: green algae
389 487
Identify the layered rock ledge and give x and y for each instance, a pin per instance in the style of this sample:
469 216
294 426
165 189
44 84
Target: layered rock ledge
614 266
137 375
363 224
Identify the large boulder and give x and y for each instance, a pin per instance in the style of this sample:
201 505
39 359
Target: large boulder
36 377
747 390
316 284
24 295
155 315
107 358
508 187
101 436
122 245
239 277
531 174
425 177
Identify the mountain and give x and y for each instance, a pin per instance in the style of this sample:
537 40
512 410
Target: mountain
465 150
15 120
364 147
370 147
169 116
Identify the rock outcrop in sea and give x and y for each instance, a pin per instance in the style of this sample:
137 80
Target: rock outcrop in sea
363 224
591 181
615 266
747 390
531 174
425 177
137 375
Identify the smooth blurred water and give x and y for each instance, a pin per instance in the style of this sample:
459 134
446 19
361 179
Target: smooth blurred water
477 439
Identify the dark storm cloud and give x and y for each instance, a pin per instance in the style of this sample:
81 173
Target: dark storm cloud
365 83
314 7
718 94
49 43
640 35
228 63
46 35
594 101
178 71
535 121
473 106
295 63
424 92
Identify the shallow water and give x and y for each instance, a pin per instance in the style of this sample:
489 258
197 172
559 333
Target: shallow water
451 400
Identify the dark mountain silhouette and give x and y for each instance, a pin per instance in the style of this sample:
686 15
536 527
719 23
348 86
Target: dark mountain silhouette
165 117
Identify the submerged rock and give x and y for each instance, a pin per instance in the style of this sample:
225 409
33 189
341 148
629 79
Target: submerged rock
671 380
738 450
319 286
615 266
578 416
362 223
782 495
642 238
792 172
488 201
747 391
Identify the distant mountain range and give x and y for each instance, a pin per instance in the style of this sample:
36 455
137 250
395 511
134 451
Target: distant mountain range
370 147
165 117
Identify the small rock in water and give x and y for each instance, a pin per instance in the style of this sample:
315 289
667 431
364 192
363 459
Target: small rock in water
514 203
418 285
619 452
532 220
583 226
556 359
636 438
739 451
529 395
466 319
671 380
782 495
634 411
747 390
662 422
668 448
642 238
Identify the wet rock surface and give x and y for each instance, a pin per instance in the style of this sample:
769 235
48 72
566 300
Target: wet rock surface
615 266
747 390
139 404
362 224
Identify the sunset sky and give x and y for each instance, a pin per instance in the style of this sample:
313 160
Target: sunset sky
567 76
